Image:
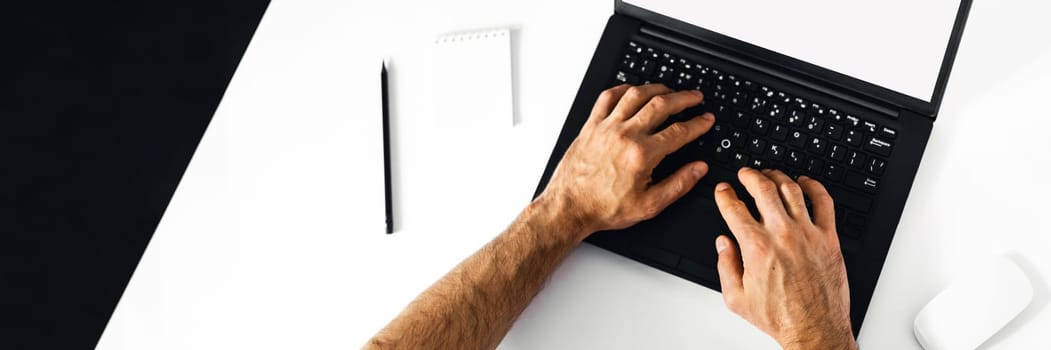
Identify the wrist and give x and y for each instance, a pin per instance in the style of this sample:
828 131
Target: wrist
560 217
831 340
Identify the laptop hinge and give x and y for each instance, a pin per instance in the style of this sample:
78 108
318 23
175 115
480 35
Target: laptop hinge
770 70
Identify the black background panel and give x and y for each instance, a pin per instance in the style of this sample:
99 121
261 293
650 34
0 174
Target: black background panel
102 104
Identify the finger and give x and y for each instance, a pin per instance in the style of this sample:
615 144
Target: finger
764 191
675 136
791 194
660 107
824 207
731 274
669 190
606 101
733 210
634 98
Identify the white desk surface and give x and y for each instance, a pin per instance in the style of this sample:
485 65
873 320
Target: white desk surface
274 238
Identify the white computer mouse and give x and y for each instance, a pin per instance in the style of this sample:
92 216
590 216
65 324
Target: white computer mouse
974 307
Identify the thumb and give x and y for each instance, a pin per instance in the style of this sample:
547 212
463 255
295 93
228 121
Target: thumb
731 273
663 194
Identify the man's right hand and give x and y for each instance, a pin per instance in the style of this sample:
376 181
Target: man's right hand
786 274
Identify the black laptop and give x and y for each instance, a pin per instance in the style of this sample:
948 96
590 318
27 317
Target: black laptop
845 92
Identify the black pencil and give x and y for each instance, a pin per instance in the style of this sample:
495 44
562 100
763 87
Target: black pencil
386 149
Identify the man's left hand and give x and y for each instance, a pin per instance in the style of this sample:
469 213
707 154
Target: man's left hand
604 179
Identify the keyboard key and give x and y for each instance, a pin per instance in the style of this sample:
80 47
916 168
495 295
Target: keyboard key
775 152
817 146
815 167
740 119
800 104
854 220
647 67
876 166
849 199
634 48
856 160
836 117
861 182
870 127
739 99
834 172
756 146
817 110
797 139
653 54
758 164
737 137
669 60
627 78
779 133
887 133
757 106
776 111
796 118
629 62
853 225
853 122
814 125
834 131
853 138
740 159
796 159
837 153
878 146
748 85
760 126
666 75
721 154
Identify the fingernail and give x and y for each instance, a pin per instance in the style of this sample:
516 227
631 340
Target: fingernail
722 186
697 92
803 177
720 244
708 116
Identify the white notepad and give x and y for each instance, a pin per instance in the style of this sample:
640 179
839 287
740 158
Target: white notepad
471 79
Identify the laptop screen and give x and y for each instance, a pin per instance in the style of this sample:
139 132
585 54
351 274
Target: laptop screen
896 44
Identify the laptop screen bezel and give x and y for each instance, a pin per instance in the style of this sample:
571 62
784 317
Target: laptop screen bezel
811 71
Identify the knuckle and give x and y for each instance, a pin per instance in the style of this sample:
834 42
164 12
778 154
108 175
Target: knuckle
827 199
607 95
791 189
650 210
676 130
634 93
761 247
765 186
678 185
634 153
733 302
659 102
738 207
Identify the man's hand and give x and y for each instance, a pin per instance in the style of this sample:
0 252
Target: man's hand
787 276
603 182
604 178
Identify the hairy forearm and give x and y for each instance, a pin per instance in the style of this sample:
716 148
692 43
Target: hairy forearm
476 303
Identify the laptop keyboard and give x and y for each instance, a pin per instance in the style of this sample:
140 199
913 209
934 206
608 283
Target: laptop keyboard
760 127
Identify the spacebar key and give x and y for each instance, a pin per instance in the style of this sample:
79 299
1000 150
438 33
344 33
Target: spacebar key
849 199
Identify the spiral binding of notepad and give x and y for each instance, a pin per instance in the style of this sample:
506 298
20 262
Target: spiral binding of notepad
473 35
